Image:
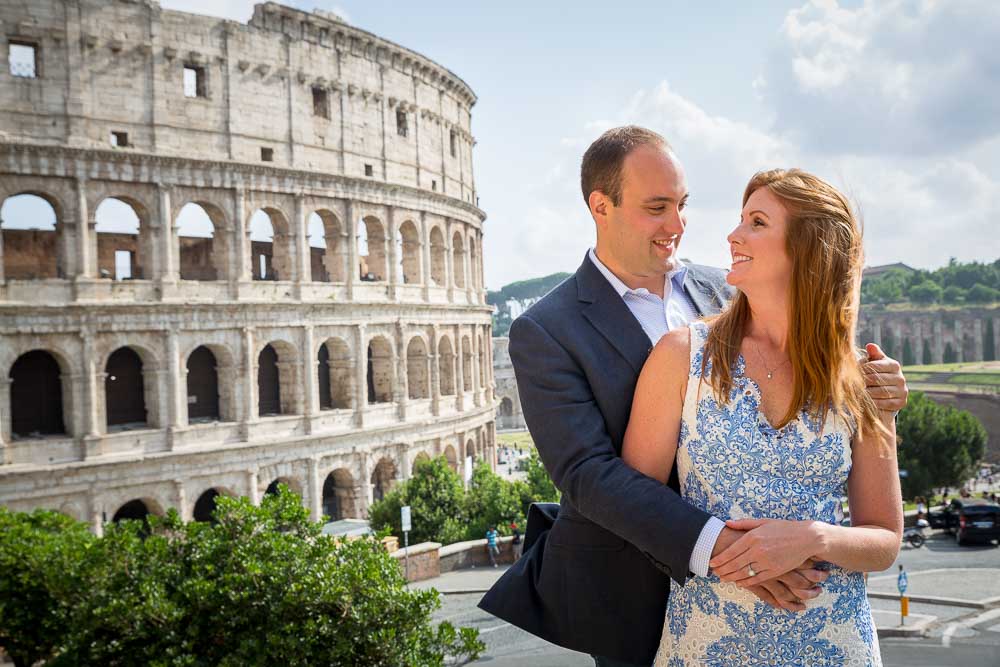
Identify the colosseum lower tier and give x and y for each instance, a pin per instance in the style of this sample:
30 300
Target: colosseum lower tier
231 256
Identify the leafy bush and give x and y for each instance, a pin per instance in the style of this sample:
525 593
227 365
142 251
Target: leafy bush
43 560
493 501
262 586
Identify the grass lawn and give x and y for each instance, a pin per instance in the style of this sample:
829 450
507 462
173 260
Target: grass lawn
992 379
517 439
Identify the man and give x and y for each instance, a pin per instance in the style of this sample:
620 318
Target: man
597 581
491 544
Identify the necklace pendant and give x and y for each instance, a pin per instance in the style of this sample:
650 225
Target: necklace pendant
768 376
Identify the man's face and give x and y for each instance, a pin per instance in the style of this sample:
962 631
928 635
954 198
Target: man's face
642 233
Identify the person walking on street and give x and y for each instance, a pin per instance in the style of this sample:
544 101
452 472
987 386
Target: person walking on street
515 544
491 545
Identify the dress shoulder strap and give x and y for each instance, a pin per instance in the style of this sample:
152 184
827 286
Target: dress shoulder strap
696 382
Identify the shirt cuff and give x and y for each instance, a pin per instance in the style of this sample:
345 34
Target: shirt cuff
703 547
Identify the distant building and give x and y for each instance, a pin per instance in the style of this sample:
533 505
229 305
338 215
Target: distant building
875 271
509 414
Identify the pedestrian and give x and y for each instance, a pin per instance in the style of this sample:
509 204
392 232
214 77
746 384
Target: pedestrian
491 545
515 544
921 507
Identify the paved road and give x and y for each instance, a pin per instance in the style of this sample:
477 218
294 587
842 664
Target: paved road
960 636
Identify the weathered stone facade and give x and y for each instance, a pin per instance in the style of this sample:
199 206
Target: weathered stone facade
933 336
510 416
227 363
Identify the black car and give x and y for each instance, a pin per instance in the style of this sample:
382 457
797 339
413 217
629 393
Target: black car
969 520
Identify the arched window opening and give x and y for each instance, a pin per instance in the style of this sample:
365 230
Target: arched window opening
36 401
124 389
383 478
380 375
317 249
323 378
30 239
338 495
506 407
202 386
133 510
204 507
339 375
201 252
446 367
268 382
458 259
408 252
371 250
262 246
437 257
466 364
120 241
417 372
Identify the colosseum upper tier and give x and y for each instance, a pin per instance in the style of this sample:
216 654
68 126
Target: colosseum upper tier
252 255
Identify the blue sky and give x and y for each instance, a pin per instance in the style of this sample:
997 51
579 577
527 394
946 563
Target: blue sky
896 101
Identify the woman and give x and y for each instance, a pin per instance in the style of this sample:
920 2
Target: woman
765 411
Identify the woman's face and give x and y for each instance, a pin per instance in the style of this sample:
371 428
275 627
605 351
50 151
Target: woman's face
760 257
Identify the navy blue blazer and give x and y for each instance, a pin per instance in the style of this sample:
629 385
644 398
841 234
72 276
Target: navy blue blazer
598 580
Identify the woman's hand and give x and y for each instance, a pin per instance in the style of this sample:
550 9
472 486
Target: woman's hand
771 548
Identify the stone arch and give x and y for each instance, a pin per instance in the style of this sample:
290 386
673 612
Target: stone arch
506 408
339 495
471 449
293 485
270 244
371 249
334 252
417 369
380 375
277 379
420 457
202 386
335 369
202 248
226 373
451 457
474 264
458 259
466 364
137 509
409 253
438 251
446 366
129 383
31 247
483 361
124 240
204 506
36 395
383 478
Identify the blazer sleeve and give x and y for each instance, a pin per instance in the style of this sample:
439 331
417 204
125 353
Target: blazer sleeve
570 434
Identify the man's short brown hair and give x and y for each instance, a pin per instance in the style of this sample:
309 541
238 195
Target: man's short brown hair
601 168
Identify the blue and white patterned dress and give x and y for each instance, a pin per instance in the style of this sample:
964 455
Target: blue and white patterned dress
733 464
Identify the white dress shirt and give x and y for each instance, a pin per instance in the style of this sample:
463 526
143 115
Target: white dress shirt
658 316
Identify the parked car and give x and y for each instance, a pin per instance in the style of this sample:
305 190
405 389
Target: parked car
969 520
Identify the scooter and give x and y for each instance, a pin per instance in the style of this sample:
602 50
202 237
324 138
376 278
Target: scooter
914 536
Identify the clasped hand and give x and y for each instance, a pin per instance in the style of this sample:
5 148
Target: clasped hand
770 548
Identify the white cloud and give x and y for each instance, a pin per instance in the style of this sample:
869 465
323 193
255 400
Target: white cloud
894 102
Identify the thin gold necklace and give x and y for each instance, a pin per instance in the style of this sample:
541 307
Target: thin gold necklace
770 371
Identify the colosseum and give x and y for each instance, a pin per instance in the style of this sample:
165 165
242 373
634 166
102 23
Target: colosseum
232 255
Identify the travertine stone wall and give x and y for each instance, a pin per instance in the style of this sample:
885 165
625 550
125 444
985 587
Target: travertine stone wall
510 416
118 66
933 336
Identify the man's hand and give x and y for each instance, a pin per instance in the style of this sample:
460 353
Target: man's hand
790 590
884 380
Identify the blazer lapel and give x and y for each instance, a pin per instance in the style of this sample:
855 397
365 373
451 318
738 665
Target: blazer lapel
607 312
701 295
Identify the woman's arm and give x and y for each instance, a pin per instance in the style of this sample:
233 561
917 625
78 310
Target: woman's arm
650 442
870 544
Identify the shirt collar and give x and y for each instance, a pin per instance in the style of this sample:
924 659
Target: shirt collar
677 276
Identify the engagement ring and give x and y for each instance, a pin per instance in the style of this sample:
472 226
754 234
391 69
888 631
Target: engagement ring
750 571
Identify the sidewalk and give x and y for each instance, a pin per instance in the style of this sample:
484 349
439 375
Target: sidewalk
968 587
